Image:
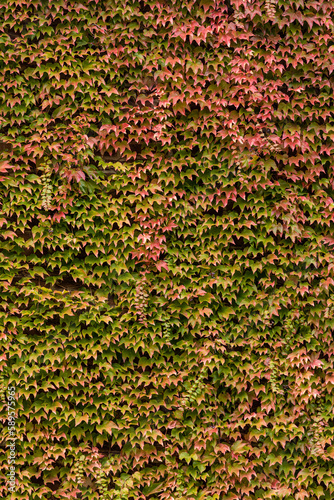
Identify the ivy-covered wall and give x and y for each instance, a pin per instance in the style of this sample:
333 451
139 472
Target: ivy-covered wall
166 249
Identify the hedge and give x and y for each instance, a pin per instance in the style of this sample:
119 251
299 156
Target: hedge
167 265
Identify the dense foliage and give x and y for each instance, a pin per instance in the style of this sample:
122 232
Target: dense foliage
167 262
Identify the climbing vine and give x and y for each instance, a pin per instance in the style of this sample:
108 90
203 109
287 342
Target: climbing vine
166 229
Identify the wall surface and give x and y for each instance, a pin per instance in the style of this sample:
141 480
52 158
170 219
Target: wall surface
166 249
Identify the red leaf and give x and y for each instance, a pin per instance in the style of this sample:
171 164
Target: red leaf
4 166
59 216
161 264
